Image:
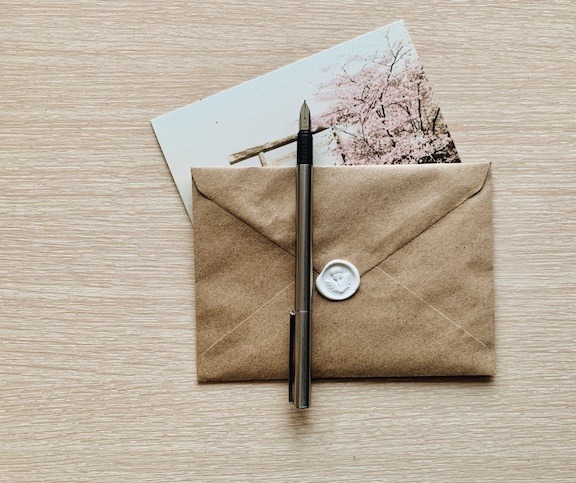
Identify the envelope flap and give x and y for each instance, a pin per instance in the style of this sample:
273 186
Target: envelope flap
264 198
361 213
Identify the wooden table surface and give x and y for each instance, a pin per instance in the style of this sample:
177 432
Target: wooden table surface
97 363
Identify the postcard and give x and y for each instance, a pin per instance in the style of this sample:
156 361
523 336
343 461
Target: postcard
370 103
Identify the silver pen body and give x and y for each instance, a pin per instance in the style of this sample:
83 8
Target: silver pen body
303 288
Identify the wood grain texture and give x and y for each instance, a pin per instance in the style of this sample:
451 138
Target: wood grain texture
97 368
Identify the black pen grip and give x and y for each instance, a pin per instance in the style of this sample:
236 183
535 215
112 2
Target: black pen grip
304 147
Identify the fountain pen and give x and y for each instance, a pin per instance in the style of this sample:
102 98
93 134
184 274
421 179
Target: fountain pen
300 318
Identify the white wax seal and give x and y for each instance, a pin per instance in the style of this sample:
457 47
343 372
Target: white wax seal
339 280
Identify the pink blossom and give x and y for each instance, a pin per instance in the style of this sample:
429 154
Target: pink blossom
382 109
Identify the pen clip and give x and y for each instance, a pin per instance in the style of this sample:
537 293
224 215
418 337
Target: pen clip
291 371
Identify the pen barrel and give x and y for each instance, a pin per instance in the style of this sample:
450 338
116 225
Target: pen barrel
303 237
303 289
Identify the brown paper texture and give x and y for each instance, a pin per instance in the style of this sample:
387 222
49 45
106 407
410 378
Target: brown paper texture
421 237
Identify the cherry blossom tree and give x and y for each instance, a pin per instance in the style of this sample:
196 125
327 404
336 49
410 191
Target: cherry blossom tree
383 112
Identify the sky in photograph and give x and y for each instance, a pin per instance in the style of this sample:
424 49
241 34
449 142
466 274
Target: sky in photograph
261 110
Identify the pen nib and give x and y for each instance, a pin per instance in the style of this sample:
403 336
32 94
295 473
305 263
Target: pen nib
304 117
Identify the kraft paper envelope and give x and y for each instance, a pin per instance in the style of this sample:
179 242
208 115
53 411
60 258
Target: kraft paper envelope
420 236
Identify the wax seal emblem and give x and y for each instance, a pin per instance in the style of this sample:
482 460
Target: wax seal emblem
339 280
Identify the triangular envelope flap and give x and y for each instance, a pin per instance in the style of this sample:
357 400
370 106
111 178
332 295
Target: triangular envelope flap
366 214
264 198
361 213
